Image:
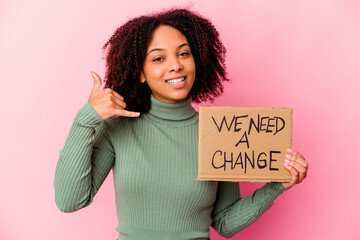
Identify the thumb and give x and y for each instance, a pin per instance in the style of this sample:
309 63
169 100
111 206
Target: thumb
97 81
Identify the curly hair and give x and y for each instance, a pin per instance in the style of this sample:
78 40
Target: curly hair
127 49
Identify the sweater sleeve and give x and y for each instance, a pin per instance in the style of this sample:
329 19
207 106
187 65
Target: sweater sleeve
232 214
84 162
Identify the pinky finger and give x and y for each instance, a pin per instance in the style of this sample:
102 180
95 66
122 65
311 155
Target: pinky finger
126 113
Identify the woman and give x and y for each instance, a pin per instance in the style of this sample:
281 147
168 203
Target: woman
143 126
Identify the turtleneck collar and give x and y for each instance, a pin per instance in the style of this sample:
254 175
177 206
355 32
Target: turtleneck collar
171 113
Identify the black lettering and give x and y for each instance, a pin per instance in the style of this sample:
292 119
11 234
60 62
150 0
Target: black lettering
269 125
218 151
283 122
247 159
228 161
243 141
252 123
219 160
239 162
261 124
263 161
222 122
236 129
273 160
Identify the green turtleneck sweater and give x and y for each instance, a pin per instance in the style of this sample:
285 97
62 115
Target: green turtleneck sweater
154 162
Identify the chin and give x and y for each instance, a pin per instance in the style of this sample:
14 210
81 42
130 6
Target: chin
181 97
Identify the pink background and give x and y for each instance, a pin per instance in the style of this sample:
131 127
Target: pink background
299 54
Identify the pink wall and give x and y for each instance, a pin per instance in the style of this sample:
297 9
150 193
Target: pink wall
299 54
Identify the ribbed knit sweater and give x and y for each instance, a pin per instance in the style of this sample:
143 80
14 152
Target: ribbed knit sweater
154 162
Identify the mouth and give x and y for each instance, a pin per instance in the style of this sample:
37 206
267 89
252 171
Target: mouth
175 80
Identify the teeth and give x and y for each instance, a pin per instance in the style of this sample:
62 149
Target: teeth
173 81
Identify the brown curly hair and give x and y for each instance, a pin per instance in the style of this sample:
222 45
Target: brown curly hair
127 51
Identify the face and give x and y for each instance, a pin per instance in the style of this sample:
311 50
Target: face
169 67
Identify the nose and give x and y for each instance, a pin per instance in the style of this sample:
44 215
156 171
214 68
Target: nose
175 65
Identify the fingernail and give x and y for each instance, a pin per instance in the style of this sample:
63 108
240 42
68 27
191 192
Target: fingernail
287 161
288 156
290 150
137 114
286 165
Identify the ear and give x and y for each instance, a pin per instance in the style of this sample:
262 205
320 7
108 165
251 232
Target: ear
142 77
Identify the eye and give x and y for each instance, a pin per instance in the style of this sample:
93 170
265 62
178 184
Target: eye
184 54
158 59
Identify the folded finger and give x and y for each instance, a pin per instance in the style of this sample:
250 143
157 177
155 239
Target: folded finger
297 160
296 153
295 156
296 165
119 102
294 174
300 169
118 95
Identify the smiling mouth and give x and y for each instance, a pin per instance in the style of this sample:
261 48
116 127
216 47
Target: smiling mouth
176 80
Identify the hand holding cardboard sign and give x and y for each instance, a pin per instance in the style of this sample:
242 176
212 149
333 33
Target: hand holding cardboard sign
108 103
297 166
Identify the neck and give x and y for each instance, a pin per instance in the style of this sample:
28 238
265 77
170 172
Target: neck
162 112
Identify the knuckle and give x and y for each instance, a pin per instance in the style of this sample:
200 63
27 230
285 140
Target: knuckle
111 107
108 108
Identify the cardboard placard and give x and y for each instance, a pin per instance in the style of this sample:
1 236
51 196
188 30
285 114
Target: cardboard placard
244 144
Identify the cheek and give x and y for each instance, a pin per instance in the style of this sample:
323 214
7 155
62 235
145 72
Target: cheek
192 65
192 68
153 71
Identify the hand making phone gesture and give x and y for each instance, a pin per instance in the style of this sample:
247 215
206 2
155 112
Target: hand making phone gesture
106 102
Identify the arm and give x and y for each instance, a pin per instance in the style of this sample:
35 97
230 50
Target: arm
232 214
88 154
85 160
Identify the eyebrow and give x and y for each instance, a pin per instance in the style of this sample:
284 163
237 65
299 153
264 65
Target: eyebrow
161 49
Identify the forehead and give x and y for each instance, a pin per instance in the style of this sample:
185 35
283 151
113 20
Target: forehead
166 36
